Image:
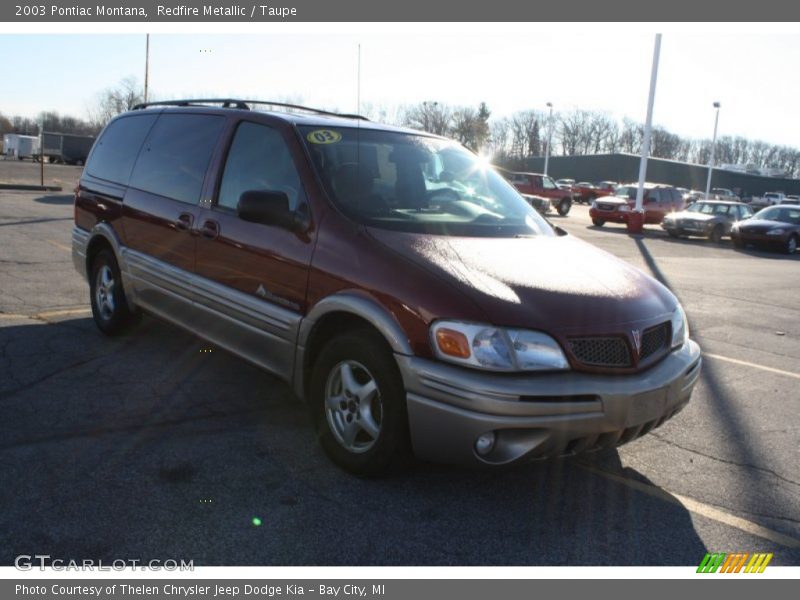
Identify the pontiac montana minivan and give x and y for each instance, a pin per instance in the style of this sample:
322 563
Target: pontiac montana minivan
400 285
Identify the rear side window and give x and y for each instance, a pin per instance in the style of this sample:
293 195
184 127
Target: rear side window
175 156
115 152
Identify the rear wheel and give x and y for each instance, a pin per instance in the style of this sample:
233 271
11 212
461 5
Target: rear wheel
564 206
599 222
359 405
109 305
791 244
716 234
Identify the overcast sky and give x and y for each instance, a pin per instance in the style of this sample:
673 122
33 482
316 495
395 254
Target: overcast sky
607 67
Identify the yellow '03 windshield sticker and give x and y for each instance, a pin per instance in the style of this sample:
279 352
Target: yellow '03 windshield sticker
324 136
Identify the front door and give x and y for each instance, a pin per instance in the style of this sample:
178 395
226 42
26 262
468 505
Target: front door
252 278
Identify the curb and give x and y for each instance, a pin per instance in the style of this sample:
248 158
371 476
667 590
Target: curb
30 188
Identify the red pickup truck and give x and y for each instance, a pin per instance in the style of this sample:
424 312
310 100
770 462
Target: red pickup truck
537 184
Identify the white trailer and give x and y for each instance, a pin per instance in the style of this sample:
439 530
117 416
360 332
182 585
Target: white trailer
20 146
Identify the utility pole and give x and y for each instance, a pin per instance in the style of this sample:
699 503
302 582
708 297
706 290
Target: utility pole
358 84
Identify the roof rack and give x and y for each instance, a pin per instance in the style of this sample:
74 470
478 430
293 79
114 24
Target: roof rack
245 105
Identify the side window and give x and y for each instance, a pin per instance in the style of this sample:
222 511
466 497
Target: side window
175 156
258 160
654 195
536 182
677 197
115 152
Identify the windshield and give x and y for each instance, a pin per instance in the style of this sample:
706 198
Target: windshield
783 214
418 184
701 207
626 191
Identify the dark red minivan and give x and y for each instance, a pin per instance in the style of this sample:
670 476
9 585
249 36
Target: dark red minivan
403 288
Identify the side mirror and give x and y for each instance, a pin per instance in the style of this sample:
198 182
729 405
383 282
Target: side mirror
268 207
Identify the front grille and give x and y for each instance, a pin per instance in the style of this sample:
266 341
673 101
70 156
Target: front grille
607 207
655 339
601 351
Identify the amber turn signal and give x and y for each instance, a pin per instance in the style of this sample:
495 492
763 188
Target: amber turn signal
452 343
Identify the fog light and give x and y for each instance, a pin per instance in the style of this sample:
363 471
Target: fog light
485 443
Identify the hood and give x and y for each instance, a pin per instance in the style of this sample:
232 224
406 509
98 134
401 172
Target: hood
692 216
611 199
762 224
555 284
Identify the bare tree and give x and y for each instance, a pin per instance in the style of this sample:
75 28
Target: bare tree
115 100
430 116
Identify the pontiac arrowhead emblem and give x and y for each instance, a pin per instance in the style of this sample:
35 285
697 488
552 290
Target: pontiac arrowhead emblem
261 291
637 341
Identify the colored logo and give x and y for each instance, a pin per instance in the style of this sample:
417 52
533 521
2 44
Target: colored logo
734 563
324 136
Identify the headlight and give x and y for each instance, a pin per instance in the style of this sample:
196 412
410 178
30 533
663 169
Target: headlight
680 327
777 231
496 348
624 208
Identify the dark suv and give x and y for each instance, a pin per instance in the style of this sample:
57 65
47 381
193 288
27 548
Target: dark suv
404 289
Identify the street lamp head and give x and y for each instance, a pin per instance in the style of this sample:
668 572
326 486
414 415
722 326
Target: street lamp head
549 105
716 104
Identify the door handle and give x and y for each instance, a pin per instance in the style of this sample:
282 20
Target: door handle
184 222
210 229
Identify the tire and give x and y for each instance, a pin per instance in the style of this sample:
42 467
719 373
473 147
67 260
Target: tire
737 243
716 234
363 432
672 234
563 207
598 222
109 305
791 244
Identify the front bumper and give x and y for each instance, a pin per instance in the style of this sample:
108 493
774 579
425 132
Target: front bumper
760 239
690 228
610 216
539 415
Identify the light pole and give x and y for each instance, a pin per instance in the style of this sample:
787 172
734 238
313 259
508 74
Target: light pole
713 147
636 218
549 136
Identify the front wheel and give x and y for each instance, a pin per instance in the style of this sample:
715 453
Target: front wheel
598 222
563 207
716 234
358 400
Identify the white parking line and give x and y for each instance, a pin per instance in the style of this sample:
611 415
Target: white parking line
700 508
64 311
44 316
63 247
754 365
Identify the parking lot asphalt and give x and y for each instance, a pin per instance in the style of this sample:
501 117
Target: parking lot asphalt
158 446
